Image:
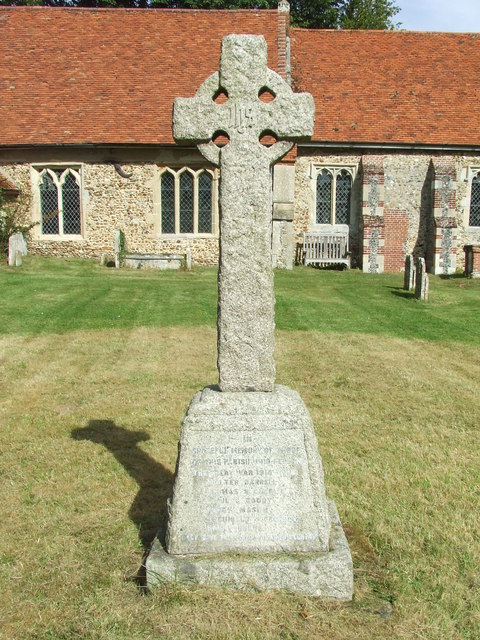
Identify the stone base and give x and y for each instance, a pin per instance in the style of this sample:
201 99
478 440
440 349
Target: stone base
326 575
249 477
152 261
248 507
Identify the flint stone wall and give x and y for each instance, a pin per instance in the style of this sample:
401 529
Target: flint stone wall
109 203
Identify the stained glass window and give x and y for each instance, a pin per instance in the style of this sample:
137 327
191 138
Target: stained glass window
474 220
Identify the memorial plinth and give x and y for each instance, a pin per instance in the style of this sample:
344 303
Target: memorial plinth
248 507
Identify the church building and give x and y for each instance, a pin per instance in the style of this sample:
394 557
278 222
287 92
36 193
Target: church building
86 100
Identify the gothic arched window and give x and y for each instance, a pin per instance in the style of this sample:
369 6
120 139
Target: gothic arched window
188 202
333 196
60 209
474 217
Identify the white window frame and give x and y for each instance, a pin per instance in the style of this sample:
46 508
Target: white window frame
334 169
37 173
195 173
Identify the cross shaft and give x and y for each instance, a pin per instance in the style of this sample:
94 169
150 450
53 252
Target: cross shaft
245 285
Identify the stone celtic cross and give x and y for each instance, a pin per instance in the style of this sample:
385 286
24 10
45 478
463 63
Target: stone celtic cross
245 287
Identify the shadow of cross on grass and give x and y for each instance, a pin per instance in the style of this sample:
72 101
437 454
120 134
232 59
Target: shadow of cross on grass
155 482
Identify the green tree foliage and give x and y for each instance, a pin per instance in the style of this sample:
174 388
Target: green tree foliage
311 14
13 216
368 14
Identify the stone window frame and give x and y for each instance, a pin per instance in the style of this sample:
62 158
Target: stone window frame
472 172
37 172
176 172
335 169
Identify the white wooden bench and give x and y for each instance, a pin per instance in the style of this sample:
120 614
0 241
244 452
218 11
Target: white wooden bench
326 247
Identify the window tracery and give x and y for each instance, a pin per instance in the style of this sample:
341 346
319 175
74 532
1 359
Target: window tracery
188 201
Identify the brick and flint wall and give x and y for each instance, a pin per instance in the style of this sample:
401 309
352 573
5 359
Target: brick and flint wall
372 220
443 235
402 202
419 204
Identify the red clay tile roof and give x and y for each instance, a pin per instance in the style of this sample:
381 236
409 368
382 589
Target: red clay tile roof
109 76
391 86
72 76
8 186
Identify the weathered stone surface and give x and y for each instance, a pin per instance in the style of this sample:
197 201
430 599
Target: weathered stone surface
409 274
326 575
245 289
421 280
16 245
117 246
249 477
149 261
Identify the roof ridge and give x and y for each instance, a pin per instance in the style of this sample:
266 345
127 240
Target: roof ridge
30 8
394 32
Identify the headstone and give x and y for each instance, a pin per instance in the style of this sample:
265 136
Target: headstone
188 259
118 246
409 275
249 479
421 280
16 244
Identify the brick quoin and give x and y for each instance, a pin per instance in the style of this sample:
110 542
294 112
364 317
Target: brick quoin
283 30
396 230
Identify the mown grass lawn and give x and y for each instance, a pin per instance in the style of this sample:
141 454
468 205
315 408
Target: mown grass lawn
97 368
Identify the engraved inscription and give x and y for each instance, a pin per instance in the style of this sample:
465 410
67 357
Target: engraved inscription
241 118
248 487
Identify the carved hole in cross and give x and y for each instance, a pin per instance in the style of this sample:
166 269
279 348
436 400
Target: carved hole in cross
267 138
220 96
266 95
220 138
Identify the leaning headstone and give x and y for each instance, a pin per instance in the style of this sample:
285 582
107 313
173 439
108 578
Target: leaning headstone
421 280
409 275
249 481
16 244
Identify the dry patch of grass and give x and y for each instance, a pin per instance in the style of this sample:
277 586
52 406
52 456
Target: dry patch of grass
89 423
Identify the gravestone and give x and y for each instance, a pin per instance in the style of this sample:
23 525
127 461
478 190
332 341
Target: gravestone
117 246
16 245
248 507
421 280
409 275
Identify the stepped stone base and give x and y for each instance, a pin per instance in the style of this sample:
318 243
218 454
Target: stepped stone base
327 575
248 506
